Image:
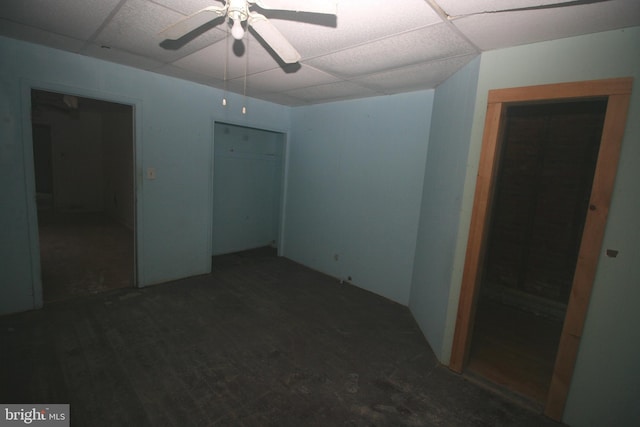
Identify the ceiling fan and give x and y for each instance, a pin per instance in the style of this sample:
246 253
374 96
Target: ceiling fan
239 11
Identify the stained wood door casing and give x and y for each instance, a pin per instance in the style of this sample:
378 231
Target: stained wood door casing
617 92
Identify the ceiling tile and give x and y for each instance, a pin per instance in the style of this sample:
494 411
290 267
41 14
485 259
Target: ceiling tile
181 73
425 44
120 56
187 7
277 79
357 22
331 92
77 19
415 77
136 27
457 7
211 60
253 89
372 47
280 98
36 35
498 30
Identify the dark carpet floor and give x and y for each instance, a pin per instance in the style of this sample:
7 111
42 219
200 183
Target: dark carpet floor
262 341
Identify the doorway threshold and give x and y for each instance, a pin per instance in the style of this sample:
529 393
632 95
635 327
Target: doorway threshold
503 391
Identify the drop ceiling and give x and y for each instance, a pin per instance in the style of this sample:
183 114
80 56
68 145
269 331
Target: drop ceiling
370 48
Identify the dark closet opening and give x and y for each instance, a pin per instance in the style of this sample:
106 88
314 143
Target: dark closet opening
248 181
543 186
83 157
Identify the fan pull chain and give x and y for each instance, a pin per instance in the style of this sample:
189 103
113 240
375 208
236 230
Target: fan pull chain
246 66
226 66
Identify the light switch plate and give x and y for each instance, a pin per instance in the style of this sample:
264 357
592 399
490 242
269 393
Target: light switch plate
151 173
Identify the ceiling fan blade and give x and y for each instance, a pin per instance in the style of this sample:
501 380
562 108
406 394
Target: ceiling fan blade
193 21
329 7
273 38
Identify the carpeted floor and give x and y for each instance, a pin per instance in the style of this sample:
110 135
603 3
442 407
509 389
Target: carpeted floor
262 341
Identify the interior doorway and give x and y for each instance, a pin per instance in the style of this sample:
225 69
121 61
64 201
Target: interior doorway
542 189
83 157
248 175
508 301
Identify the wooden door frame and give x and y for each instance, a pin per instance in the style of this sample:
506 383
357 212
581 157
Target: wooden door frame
618 93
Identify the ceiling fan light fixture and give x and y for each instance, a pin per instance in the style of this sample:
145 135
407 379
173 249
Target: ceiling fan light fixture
238 12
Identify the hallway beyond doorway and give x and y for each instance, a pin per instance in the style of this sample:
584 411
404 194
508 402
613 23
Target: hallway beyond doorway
83 254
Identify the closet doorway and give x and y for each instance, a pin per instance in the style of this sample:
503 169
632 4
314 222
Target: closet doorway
544 185
83 157
248 184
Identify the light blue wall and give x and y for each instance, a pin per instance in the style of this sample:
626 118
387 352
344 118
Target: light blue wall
174 131
445 171
248 177
355 186
606 381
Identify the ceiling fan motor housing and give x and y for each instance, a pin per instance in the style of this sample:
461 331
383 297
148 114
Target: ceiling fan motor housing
238 10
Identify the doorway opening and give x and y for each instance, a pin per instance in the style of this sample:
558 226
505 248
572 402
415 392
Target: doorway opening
248 175
541 196
505 282
83 156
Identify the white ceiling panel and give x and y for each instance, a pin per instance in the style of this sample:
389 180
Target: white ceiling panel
277 79
187 7
456 7
211 60
425 75
357 22
36 35
239 86
207 61
120 57
237 102
281 98
425 44
371 47
331 92
136 27
173 71
77 19
498 30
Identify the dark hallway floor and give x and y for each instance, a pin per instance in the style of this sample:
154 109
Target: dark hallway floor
83 254
261 341
515 349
